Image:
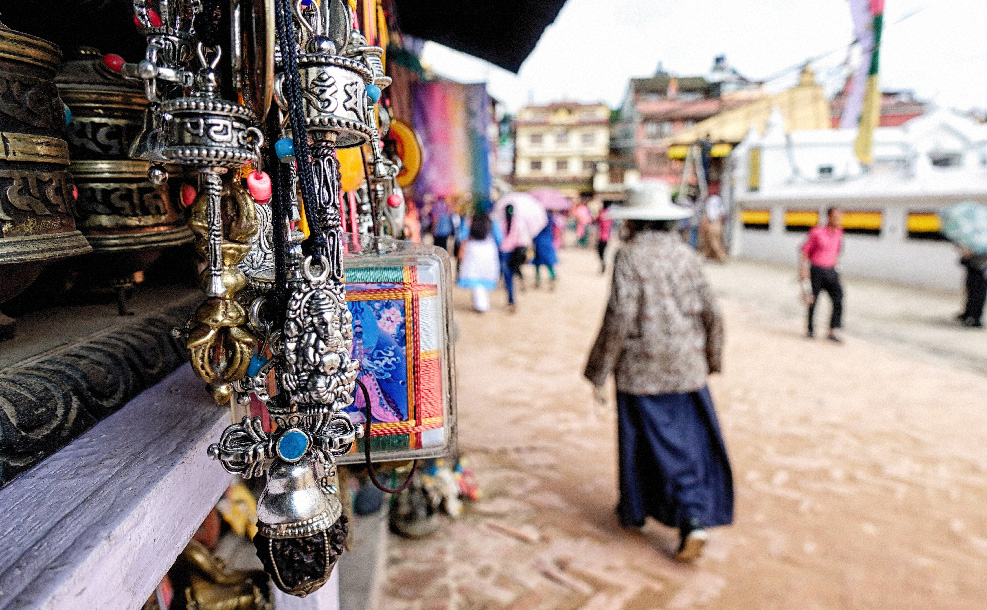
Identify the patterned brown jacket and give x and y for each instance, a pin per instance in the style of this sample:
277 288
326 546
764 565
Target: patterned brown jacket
662 332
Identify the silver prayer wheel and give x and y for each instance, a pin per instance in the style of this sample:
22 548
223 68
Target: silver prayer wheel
119 209
208 131
334 91
369 55
37 224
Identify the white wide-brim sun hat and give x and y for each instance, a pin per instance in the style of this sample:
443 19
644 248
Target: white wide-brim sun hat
649 200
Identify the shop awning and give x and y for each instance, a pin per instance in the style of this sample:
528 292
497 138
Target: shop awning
503 32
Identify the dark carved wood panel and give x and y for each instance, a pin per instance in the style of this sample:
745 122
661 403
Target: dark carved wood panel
49 400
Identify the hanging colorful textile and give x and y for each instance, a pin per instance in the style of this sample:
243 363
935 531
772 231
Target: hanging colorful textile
870 114
452 120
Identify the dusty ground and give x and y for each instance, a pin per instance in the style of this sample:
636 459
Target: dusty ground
861 469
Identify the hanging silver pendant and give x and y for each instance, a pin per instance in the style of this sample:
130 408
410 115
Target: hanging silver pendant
319 373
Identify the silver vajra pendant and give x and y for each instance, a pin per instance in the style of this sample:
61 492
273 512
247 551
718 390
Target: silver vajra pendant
301 526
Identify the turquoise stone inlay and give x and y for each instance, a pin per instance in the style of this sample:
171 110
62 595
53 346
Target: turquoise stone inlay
292 445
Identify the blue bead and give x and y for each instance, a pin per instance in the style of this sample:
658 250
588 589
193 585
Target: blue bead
255 364
284 148
373 92
292 445
68 114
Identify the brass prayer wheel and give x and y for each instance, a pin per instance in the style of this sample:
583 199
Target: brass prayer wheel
37 223
119 210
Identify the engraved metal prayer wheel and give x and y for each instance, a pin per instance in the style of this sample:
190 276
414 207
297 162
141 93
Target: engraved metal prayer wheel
335 98
119 210
37 224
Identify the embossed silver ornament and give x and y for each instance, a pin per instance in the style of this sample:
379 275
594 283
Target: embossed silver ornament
319 373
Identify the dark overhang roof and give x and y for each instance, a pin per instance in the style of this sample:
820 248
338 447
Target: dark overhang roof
503 32
105 24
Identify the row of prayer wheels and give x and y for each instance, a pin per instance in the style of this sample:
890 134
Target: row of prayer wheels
71 180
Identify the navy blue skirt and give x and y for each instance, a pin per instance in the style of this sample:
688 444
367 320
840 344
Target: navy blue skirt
673 463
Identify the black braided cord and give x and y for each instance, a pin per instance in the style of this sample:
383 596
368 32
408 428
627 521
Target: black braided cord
292 90
366 449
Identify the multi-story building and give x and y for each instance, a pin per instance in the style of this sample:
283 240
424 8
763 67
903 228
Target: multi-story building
897 107
560 145
663 105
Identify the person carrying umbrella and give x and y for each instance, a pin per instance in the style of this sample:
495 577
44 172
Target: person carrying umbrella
522 217
662 334
965 224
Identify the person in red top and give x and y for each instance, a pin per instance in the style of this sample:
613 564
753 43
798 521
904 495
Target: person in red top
819 255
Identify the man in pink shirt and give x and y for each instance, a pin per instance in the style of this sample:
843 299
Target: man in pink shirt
819 255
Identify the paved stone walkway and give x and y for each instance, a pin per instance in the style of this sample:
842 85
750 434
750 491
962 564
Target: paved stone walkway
860 469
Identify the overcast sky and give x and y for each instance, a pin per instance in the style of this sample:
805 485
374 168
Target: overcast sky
594 47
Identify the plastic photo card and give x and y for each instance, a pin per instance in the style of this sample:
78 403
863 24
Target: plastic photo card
399 297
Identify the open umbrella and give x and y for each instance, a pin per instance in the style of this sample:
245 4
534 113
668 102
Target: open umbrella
551 199
965 224
529 216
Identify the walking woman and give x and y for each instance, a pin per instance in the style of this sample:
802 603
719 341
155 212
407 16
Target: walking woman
662 335
545 254
513 255
479 267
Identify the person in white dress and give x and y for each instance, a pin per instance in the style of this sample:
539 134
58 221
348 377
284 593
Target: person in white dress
479 256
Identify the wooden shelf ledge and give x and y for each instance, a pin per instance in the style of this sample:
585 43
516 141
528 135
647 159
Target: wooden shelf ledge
97 524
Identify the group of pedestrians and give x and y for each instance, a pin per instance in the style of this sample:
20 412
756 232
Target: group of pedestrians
492 250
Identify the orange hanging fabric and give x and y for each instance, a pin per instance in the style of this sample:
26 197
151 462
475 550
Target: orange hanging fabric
383 36
370 21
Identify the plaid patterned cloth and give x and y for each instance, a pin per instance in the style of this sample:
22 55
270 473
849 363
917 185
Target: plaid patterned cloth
399 339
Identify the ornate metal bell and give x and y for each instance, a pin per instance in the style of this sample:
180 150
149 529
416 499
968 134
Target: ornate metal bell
301 527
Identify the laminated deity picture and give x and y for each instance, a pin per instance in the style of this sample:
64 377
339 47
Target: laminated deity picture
380 346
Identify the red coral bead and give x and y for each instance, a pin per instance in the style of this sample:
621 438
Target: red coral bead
152 16
113 62
188 194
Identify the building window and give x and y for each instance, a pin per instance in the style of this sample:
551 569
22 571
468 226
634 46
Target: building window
588 138
536 139
562 137
653 159
589 166
658 129
862 222
562 165
756 220
800 221
946 159
924 225
536 166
